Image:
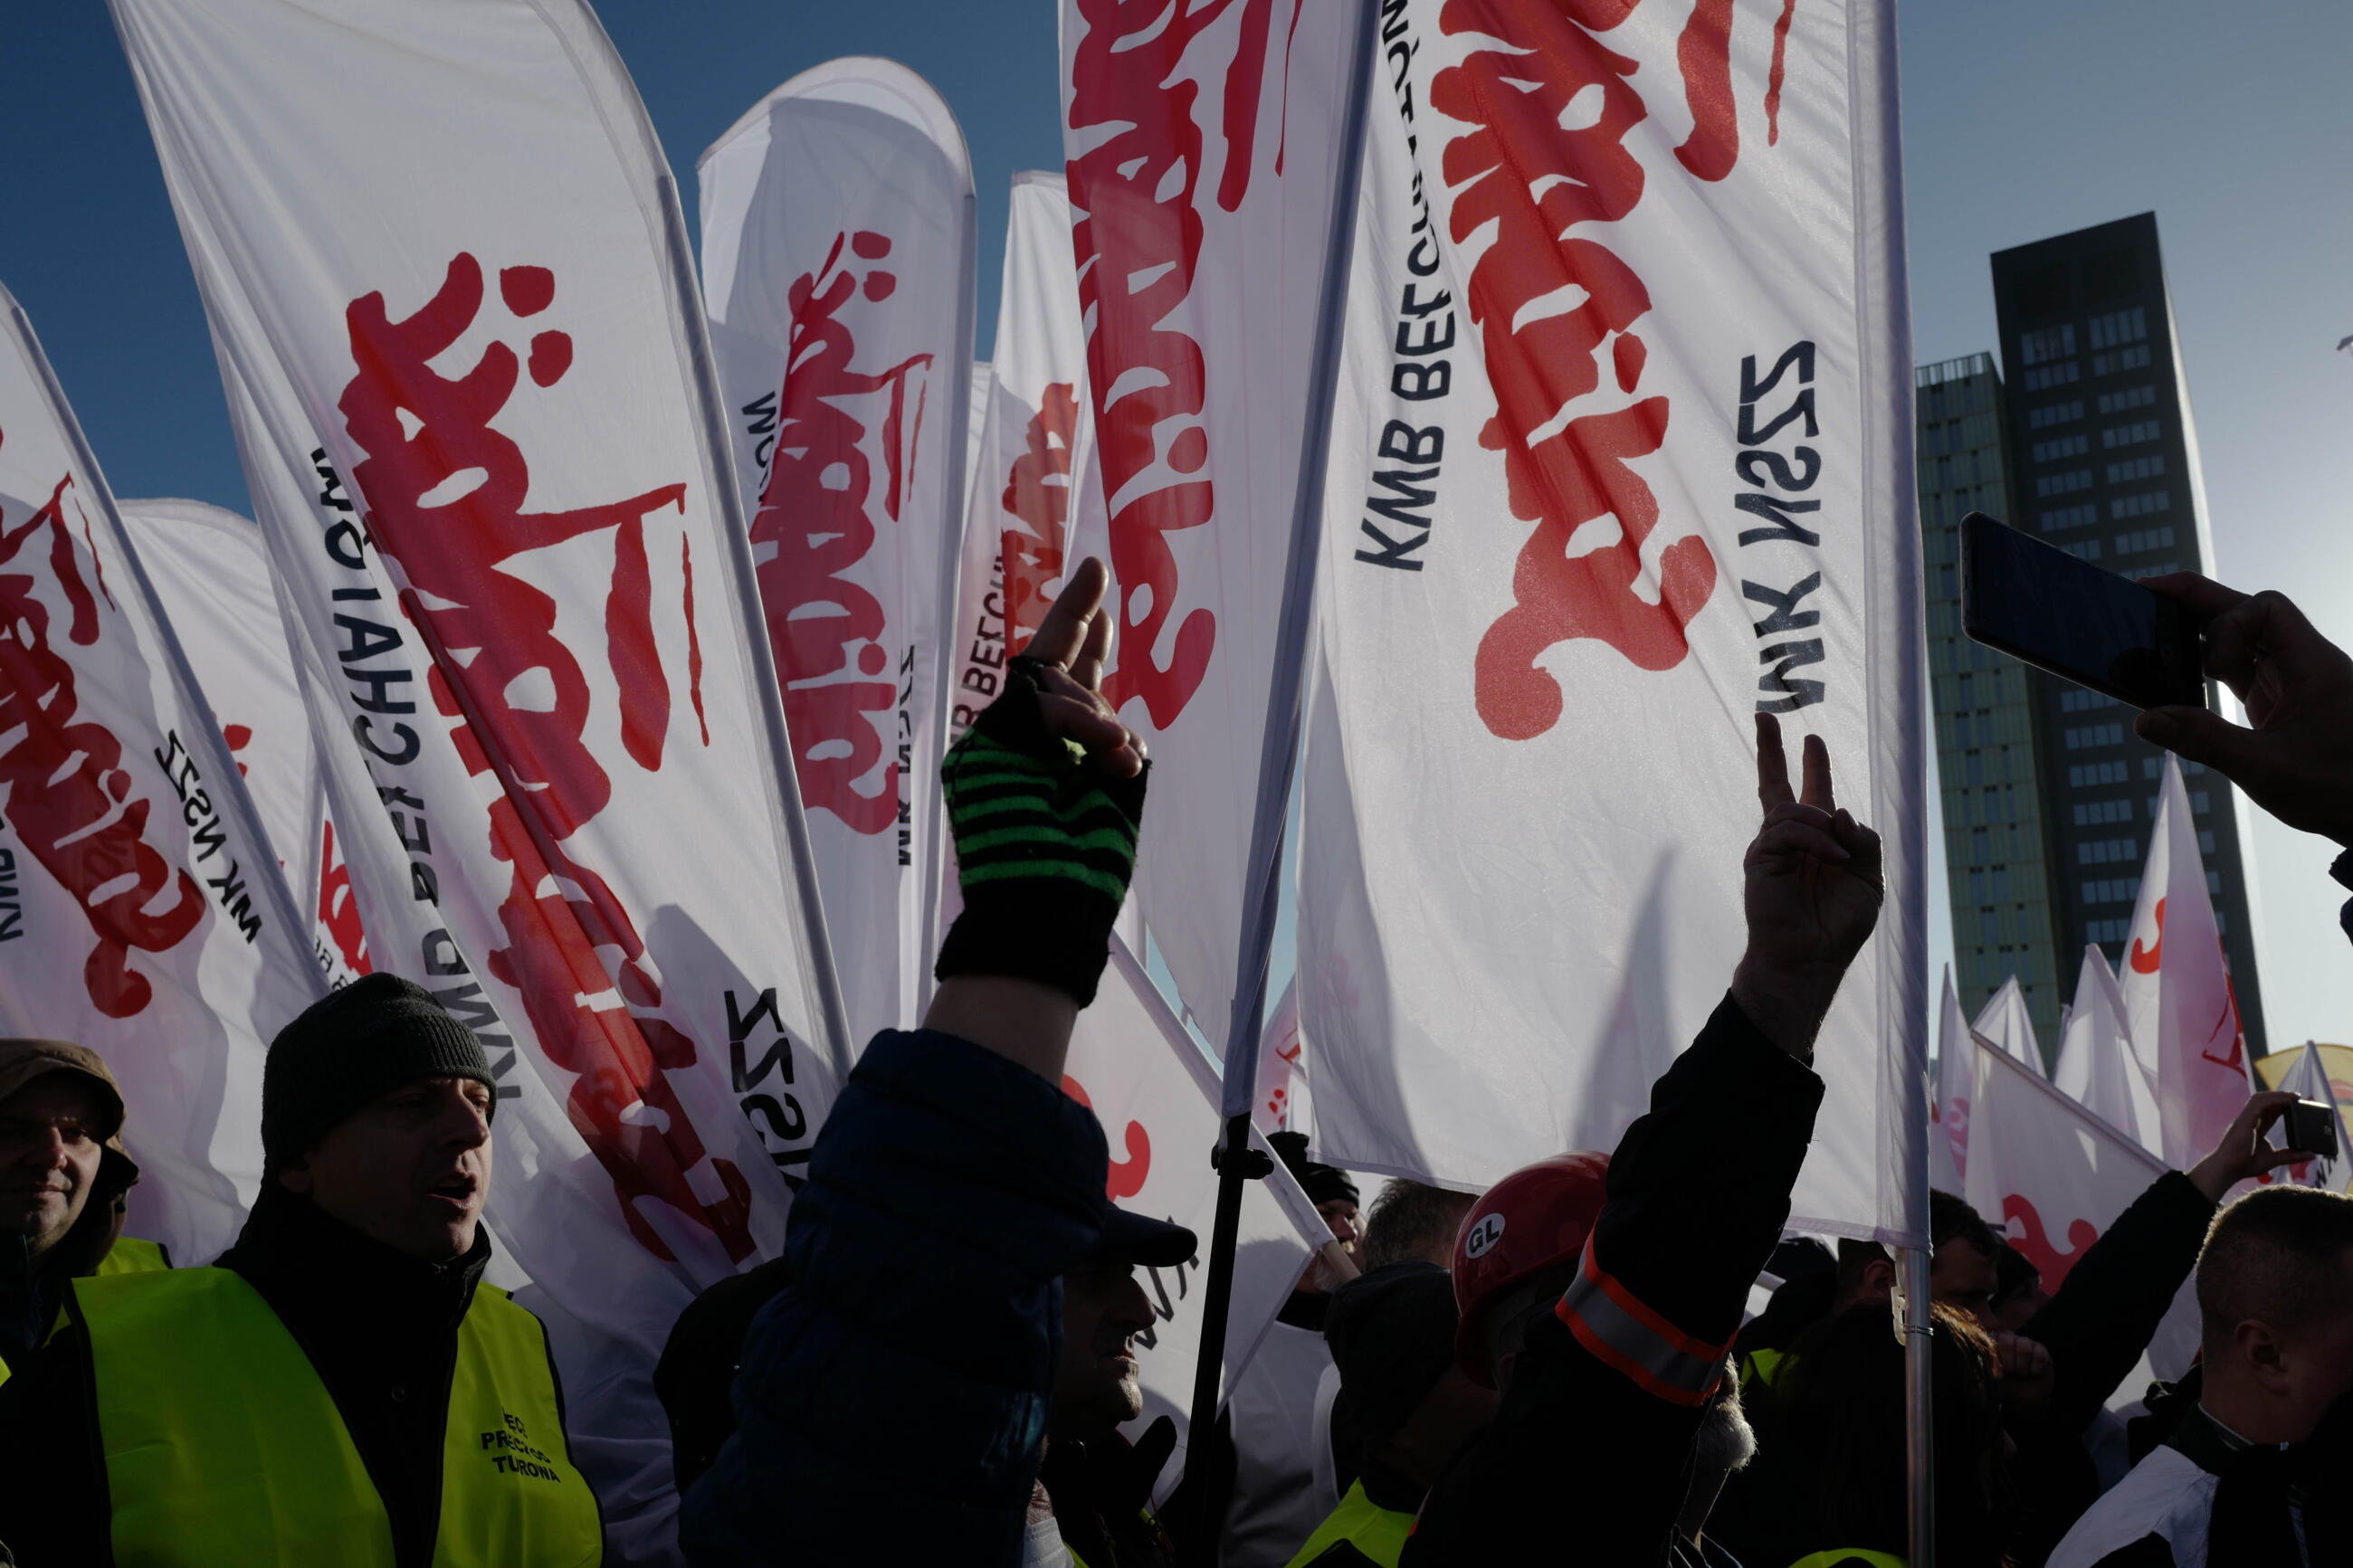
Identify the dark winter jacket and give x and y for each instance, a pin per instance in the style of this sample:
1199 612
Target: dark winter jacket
379 1326
892 1398
1581 1464
1102 1493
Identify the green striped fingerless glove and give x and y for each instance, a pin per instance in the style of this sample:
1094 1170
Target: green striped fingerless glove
1045 846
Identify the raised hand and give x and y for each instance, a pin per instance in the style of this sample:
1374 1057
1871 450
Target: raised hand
2295 758
1070 647
1813 889
2243 1154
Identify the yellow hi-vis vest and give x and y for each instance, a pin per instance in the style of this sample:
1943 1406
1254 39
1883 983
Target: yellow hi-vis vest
1378 1533
1849 1554
126 1257
223 1446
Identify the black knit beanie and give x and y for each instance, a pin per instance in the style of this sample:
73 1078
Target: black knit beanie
350 1046
1322 1183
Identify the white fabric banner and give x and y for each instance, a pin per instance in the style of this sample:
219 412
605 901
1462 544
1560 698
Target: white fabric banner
2053 1177
212 577
1284 1099
837 271
487 452
2004 1024
1204 147
1033 446
2178 1006
1956 1086
142 911
1157 1095
2097 1068
1623 457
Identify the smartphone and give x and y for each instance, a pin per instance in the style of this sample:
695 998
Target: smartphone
2311 1127
2037 602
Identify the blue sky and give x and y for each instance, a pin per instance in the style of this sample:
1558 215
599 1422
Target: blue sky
2021 118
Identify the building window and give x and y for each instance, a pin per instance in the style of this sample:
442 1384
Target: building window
2062 484
2047 343
2213 884
2130 397
2144 539
2222 923
2043 377
2162 569
2104 852
2131 435
2141 505
2082 549
2148 467
2205 841
2091 776
2078 699
2073 446
2116 327
2051 414
2150 767
2118 891
2069 517
2107 930
2089 735
2135 358
2092 813
2199 802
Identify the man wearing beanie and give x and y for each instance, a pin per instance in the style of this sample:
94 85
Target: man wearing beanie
339 1387
1411 1406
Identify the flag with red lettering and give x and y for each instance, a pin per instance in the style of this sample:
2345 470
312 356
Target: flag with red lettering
141 910
1157 1096
2096 1067
1284 1100
2178 1007
1033 443
1204 148
213 580
1948 1102
488 456
2053 1177
2004 1024
838 273
1622 459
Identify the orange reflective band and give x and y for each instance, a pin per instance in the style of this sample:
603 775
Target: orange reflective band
1656 1357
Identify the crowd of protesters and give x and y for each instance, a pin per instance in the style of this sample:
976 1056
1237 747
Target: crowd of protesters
941 1365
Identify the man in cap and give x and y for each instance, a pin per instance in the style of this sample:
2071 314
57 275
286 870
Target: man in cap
1093 1483
64 1180
341 1386
1409 1407
1600 1294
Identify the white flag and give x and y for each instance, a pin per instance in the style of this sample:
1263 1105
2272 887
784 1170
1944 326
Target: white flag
486 450
838 270
141 910
2097 1068
1957 1069
1204 146
213 581
2004 1024
1623 457
2184 1020
1033 447
1158 1096
2053 1177
1284 1100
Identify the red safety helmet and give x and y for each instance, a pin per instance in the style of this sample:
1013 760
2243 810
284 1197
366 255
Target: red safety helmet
1537 1216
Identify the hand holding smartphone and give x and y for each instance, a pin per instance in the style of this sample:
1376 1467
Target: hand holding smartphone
2039 604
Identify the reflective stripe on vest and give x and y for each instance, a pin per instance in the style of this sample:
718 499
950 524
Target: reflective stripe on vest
222 1444
1378 1533
1849 1554
1621 1332
129 1255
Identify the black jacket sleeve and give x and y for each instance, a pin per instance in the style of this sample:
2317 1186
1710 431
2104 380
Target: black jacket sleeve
2103 1315
53 1505
1591 1439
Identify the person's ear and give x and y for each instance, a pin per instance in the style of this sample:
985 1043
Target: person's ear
1878 1279
295 1176
2264 1355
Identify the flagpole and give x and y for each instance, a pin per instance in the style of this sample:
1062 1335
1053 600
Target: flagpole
1278 757
1920 1437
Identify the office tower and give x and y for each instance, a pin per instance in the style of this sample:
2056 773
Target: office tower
2104 463
1999 846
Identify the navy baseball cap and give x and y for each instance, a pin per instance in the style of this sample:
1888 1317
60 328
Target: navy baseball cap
1134 1238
